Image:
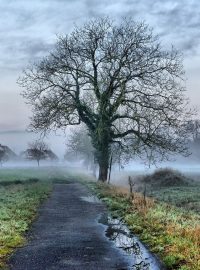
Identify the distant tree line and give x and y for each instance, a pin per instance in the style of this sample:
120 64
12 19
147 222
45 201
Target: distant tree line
6 154
37 150
79 147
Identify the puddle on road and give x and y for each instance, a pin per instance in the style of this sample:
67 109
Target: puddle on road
90 199
136 252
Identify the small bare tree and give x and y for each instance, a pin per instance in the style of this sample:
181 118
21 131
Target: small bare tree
79 145
194 128
38 151
119 81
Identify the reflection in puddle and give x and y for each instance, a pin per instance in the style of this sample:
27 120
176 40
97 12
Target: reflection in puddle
137 253
90 199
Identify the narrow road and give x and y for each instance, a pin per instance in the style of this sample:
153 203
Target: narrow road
67 236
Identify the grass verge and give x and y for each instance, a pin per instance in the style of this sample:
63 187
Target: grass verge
173 187
21 192
18 205
20 196
170 232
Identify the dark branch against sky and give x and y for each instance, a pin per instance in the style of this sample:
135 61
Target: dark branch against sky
28 31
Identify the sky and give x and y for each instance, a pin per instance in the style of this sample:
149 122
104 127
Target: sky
29 29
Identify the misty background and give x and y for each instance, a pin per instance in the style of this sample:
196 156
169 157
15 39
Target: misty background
28 32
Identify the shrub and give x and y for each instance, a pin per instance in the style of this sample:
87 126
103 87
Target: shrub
166 177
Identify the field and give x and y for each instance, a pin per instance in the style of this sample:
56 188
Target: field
174 188
166 218
21 193
184 195
22 190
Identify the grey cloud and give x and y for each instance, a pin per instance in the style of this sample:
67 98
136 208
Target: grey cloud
180 23
18 52
173 20
28 28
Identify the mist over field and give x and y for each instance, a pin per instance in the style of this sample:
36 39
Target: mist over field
18 141
189 166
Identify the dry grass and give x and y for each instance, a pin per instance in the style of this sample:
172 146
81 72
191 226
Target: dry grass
172 233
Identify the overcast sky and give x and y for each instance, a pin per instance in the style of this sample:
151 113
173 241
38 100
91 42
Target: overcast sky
28 31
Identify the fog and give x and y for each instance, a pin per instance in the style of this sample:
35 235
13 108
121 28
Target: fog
119 176
18 141
188 167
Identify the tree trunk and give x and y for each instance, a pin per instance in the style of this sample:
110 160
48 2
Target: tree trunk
103 161
103 172
101 142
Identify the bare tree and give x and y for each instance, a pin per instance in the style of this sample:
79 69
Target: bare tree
38 151
79 144
194 128
120 82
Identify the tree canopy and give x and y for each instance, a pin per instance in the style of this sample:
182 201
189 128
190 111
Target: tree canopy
120 82
37 150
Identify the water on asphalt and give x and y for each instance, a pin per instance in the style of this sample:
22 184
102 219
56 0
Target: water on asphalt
138 254
68 235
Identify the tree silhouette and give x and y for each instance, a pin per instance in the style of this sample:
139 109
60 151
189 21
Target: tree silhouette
119 81
38 151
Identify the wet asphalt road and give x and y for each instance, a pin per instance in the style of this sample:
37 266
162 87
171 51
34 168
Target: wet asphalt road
67 236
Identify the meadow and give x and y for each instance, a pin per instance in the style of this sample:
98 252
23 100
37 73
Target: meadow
21 193
172 187
166 218
22 190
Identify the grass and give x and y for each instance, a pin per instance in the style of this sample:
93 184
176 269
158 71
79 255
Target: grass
168 221
18 205
41 173
170 232
21 192
186 197
172 187
48 174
